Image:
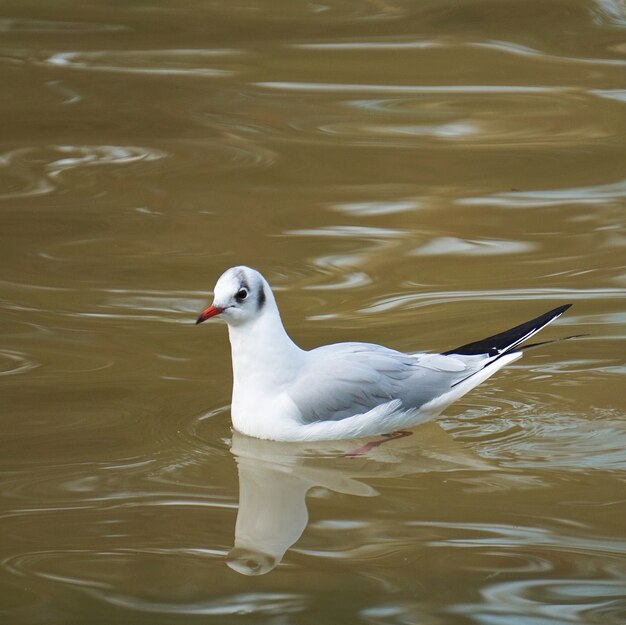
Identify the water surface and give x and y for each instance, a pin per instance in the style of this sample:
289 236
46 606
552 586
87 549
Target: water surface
413 174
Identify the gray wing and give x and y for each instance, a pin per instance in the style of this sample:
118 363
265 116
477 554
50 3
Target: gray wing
345 379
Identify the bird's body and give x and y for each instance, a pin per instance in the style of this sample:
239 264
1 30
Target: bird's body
343 390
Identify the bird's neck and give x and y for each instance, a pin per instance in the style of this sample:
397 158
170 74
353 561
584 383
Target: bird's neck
262 351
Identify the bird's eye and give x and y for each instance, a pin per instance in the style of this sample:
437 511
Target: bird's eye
241 294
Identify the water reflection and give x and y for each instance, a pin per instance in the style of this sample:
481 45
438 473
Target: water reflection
274 479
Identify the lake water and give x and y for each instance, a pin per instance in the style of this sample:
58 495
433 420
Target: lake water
418 174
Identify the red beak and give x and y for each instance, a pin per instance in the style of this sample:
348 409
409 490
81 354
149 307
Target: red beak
211 311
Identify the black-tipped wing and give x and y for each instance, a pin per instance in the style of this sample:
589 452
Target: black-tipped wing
507 341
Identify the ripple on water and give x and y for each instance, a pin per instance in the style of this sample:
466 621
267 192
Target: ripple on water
361 232
355 88
177 62
13 362
538 110
72 156
479 535
228 152
473 119
104 576
546 59
612 94
609 12
26 25
33 171
173 307
349 269
467 116
170 469
501 48
445 246
597 195
562 441
418 300
377 207
36 171
549 600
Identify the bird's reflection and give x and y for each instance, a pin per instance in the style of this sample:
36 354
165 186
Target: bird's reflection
274 479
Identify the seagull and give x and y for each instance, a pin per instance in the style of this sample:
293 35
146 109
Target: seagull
344 390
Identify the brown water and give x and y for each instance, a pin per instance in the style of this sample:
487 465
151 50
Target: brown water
414 174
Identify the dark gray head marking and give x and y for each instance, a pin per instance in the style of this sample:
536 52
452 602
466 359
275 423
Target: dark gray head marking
261 298
243 283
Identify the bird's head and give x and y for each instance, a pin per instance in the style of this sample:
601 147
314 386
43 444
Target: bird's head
241 295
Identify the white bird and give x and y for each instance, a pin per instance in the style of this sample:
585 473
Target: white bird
344 390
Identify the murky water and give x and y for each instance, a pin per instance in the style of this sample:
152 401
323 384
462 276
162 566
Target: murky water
414 174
